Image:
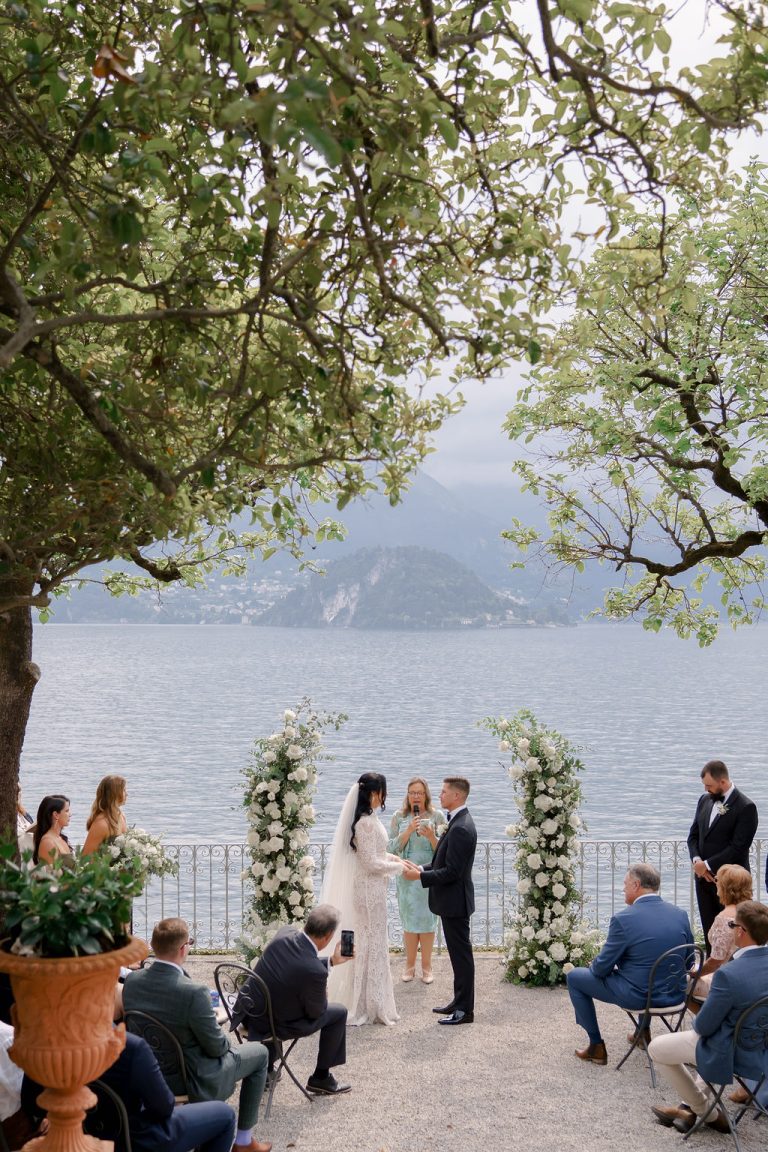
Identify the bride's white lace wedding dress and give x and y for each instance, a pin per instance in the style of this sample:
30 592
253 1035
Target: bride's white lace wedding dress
364 985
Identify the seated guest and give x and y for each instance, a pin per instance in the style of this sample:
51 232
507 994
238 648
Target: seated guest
734 884
297 978
156 1123
709 1047
213 1068
621 971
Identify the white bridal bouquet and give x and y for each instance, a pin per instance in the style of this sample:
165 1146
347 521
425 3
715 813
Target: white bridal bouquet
137 851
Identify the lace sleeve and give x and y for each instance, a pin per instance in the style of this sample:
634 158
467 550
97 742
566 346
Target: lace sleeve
721 938
372 856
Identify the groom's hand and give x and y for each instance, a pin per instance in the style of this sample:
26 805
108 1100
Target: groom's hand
411 871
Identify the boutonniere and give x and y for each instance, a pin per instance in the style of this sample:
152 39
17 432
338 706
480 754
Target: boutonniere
721 808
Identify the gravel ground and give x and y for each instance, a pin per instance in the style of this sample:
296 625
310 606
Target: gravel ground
509 1081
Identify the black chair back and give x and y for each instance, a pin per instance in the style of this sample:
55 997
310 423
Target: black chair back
229 978
108 1120
168 1052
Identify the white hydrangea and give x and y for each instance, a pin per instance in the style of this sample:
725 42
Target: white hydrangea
515 772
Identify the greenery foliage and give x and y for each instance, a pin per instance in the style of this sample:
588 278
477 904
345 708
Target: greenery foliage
280 785
65 908
545 937
651 416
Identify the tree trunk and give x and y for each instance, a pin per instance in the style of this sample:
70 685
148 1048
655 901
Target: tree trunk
18 677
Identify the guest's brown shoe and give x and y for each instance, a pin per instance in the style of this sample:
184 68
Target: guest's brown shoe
719 1122
682 1118
594 1053
739 1096
254 1146
646 1035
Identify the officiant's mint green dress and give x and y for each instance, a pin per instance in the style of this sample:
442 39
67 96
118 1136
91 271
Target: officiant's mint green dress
412 898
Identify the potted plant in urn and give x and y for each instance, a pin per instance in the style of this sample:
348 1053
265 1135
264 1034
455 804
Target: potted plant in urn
64 942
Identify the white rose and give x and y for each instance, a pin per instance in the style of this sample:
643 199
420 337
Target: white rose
289 732
306 864
532 836
532 764
532 912
300 774
510 830
541 879
513 936
504 746
290 799
283 874
294 898
548 751
289 715
270 757
528 932
558 951
275 828
549 826
543 803
522 971
253 839
515 772
275 844
523 747
272 810
308 884
541 955
294 752
533 860
574 820
557 907
551 782
523 887
275 738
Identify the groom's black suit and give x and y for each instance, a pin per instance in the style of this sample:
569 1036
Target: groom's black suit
727 840
452 898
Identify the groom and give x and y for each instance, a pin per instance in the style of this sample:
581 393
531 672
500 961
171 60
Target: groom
452 896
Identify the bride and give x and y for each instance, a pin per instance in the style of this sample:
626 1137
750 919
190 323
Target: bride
356 882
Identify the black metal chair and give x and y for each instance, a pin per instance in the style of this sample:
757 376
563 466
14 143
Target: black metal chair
677 968
168 1052
230 979
749 1035
108 1120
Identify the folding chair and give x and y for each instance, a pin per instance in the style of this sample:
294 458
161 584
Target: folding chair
168 1052
749 1035
108 1120
230 979
673 975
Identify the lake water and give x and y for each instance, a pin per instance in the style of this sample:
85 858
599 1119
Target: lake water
175 710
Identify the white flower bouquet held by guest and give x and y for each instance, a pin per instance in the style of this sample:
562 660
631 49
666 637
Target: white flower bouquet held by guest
137 851
355 882
414 833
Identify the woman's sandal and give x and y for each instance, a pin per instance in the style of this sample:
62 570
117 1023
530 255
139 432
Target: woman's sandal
426 976
408 974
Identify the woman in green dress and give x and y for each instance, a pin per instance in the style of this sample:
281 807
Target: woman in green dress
413 836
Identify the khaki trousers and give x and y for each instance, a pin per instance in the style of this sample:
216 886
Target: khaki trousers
670 1054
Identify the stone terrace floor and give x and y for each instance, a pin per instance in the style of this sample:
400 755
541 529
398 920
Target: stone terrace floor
509 1081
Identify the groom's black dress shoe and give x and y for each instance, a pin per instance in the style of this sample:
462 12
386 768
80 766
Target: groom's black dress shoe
459 1017
445 1011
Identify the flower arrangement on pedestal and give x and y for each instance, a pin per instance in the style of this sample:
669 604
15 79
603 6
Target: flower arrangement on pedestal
280 786
138 852
545 938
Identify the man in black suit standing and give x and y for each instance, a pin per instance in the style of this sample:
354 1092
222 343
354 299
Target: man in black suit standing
297 978
452 895
722 833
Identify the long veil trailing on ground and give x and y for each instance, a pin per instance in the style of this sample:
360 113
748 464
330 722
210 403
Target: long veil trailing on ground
338 888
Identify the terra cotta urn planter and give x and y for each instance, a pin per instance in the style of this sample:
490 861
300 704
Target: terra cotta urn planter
64 1036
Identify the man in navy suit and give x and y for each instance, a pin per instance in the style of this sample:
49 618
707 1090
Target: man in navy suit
621 971
297 978
452 895
709 1047
722 833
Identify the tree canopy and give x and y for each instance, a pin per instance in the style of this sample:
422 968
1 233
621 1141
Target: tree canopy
234 238
652 416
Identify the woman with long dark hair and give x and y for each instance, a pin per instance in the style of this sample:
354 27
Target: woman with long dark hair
106 819
356 883
49 836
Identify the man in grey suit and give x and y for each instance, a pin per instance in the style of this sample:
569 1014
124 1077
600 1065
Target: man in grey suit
297 978
213 1068
709 1046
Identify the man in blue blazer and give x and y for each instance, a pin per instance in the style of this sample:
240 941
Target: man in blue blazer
621 971
213 1068
709 1047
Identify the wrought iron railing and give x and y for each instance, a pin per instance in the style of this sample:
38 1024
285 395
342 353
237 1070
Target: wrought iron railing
211 891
